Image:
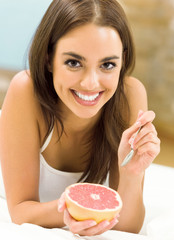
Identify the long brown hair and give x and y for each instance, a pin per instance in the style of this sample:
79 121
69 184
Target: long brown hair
61 17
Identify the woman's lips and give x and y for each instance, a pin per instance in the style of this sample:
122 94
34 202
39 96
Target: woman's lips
86 99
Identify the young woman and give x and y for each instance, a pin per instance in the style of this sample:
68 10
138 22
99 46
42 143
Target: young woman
72 117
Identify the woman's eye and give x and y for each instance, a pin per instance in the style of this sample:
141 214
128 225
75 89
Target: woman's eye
72 63
108 66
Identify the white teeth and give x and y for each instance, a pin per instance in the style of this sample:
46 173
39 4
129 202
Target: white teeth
86 97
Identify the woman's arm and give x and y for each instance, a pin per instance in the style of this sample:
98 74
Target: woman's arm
146 148
20 143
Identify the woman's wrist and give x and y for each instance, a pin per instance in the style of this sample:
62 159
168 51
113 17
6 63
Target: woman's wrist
129 180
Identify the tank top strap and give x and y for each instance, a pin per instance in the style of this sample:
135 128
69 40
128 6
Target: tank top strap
47 141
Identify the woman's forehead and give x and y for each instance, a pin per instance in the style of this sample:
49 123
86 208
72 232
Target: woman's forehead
91 38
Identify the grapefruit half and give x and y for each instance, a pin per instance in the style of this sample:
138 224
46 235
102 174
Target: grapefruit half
86 201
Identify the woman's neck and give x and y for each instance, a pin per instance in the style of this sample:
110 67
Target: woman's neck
74 125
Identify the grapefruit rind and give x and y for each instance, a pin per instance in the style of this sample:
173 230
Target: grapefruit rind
81 213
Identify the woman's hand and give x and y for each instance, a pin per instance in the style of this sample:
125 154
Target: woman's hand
86 227
146 145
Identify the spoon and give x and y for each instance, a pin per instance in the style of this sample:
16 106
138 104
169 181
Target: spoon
131 153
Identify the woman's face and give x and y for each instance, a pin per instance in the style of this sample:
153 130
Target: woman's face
86 68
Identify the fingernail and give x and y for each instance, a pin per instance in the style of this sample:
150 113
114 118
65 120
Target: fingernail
92 224
138 123
106 223
140 113
130 141
59 208
116 221
132 145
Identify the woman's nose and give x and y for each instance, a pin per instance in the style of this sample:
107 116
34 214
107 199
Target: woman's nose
90 81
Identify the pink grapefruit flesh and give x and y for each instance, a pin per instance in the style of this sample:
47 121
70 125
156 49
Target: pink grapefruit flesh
92 201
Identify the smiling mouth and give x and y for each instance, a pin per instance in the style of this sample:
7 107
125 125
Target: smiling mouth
86 97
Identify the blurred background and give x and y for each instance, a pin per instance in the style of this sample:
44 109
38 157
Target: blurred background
152 23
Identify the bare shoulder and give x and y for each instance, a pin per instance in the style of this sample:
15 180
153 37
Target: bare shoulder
136 96
21 94
21 87
20 107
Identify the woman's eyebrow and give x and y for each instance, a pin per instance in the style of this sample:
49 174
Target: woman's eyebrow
109 58
77 56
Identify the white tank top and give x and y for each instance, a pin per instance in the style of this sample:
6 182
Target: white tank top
52 181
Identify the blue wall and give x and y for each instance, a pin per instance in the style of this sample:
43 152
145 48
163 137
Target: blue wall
18 22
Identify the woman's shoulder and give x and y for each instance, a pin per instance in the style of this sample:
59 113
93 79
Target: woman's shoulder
136 95
132 84
21 82
20 102
21 91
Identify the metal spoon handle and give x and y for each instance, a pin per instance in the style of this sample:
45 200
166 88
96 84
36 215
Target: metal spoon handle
131 153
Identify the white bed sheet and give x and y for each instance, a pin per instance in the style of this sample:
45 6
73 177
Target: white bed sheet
158 224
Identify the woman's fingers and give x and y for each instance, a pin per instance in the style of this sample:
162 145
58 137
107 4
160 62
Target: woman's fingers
150 137
61 203
112 223
152 148
143 119
98 229
77 226
140 113
146 143
127 134
87 227
146 117
147 140
147 133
